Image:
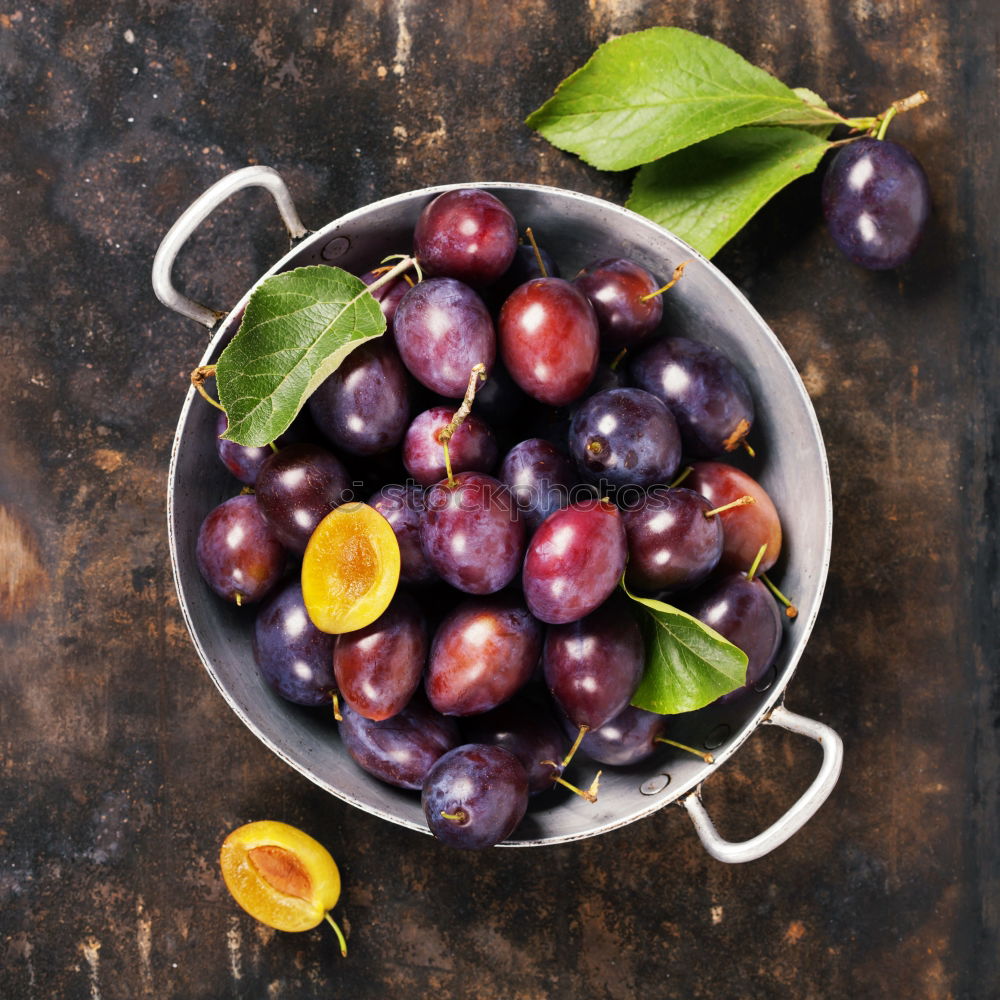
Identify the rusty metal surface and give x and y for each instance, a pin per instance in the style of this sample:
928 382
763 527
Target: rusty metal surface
121 769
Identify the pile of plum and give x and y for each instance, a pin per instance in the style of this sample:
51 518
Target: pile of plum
509 634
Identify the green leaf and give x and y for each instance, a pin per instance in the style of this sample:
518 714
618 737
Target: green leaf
647 94
707 193
297 329
688 665
815 101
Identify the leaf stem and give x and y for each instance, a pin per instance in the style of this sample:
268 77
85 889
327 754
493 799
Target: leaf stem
338 932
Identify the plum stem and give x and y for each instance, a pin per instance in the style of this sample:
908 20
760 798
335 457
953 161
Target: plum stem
756 563
538 253
338 932
198 377
738 437
790 610
706 757
618 359
336 707
680 479
889 115
576 744
677 275
877 124
742 501
590 794
477 375
456 817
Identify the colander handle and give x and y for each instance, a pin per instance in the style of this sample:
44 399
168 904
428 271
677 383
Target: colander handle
196 213
796 817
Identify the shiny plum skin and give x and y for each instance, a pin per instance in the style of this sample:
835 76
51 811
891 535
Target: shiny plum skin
672 545
378 667
615 287
529 730
243 462
387 296
703 388
364 406
486 786
744 529
549 340
540 478
472 448
876 201
293 656
442 330
627 738
574 561
466 234
403 508
471 533
625 437
400 750
593 666
297 487
483 652
239 554
744 612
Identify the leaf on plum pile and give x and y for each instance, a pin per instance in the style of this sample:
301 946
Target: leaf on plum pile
649 93
297 329
705 194
688 664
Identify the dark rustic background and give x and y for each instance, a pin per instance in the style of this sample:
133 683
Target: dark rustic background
121 768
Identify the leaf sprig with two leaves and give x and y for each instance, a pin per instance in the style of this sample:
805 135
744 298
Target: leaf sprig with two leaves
714 136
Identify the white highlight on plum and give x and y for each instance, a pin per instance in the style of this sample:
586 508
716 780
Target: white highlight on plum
296 623
860 174
867 228
676 381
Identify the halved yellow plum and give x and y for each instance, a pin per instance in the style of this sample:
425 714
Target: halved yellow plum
350 569
281 876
